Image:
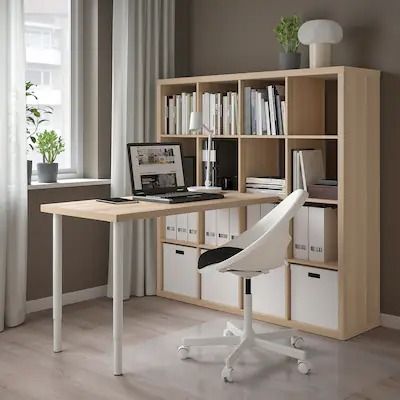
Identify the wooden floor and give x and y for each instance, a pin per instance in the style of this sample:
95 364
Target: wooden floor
367 367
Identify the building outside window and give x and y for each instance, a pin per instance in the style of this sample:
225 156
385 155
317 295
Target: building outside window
50 33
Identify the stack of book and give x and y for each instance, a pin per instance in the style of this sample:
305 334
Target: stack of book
220 113
177 109
265 111
266 184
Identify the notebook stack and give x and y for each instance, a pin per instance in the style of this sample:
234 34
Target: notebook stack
267 185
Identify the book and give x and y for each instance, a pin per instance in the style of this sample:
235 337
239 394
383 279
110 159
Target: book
272 111
265 180
178 114
171 116
312 166
247 111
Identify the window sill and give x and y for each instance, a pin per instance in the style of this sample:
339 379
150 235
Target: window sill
65 183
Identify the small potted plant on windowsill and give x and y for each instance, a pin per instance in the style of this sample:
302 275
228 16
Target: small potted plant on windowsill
286 34
49 145
34 118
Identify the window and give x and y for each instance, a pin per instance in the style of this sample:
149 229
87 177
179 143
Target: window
52 41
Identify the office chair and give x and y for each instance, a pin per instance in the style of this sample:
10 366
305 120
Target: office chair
256 251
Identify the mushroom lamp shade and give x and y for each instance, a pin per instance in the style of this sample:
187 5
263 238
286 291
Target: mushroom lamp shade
320 34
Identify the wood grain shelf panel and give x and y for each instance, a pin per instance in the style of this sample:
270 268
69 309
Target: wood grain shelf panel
322 201
333 265
320 137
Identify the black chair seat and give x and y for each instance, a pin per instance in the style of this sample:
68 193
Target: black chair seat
216 256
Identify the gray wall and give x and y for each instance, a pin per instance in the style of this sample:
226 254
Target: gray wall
85 243
236 36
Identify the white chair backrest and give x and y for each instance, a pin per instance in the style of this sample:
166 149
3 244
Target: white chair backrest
265 244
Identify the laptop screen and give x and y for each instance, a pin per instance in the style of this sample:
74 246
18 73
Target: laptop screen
155 168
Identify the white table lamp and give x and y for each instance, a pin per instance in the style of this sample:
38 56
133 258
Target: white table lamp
196 124
320 35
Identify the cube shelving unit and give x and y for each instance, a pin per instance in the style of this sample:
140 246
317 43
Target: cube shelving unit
337 110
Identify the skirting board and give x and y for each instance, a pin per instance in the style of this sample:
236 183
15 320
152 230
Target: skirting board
68 298
387 320
390 321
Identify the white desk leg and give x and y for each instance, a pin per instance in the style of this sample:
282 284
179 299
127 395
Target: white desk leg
118 296
57 282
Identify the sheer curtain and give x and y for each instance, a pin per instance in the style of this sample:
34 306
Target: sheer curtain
143 50
13 176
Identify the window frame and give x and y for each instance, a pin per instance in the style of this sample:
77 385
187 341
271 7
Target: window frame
76 123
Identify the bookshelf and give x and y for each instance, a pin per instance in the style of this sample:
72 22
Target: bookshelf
337 110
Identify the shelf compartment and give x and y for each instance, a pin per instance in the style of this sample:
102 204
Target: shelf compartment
170 90
260 158
312 106
329 150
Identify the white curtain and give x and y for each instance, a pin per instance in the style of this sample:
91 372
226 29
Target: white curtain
13 176
143 50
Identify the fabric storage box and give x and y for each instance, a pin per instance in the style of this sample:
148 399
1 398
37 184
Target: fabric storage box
269 292
314 296
220 287
180 270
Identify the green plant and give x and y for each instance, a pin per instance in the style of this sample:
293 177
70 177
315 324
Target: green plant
286 33
49 145
34 114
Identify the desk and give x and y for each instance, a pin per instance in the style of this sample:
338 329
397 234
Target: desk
117 214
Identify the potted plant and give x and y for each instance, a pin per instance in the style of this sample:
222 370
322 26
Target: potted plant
286 34
34 118
49 145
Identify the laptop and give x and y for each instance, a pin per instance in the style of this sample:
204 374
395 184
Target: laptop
157 174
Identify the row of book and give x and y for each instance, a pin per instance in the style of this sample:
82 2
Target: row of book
265 111
267 185
220 113
177 109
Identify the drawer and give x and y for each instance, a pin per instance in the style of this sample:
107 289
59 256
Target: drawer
269 293
314 296
180 270
220 287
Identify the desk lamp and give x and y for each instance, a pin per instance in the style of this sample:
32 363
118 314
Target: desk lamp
195 124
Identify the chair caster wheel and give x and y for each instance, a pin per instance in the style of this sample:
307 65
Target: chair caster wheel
227 375
183 352
227 332
303 367
297 342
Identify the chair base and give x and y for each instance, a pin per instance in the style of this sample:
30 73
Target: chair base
246 338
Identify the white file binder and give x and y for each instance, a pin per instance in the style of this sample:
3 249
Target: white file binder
170 227
322 234
300 234
181 227
234 222
222 226
210 227
192 227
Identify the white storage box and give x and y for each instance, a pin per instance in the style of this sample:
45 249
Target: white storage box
180 270
314 296
220 287
269 293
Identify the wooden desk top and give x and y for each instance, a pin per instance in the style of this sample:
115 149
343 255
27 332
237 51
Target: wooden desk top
92 209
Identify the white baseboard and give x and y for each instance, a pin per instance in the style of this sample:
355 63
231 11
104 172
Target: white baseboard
68 298
390 321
